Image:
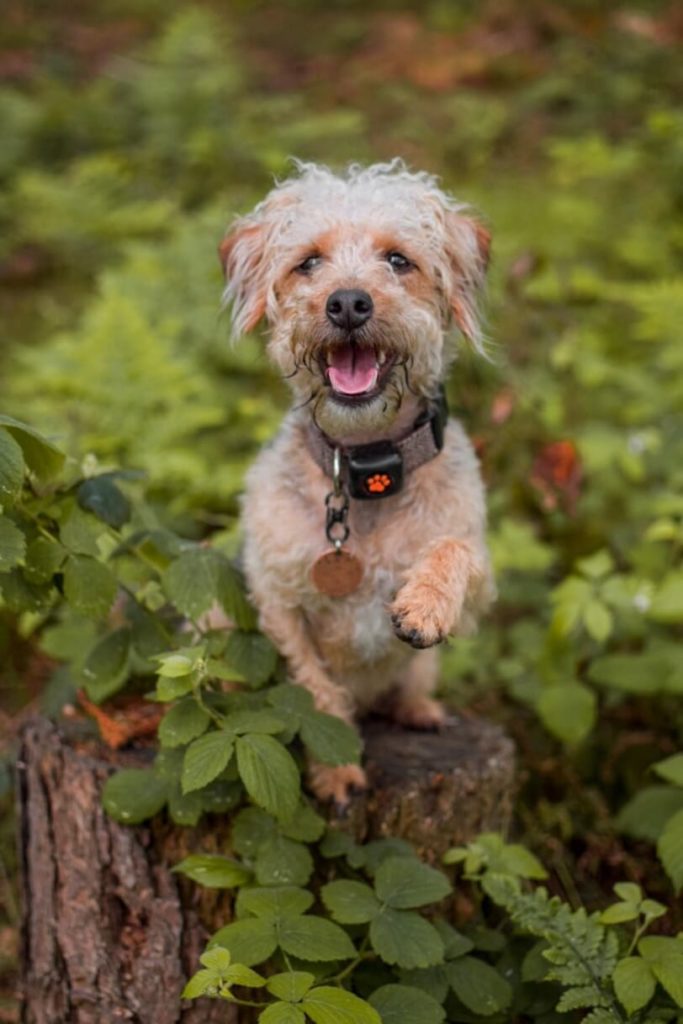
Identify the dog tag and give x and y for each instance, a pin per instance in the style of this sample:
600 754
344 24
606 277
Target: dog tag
337 573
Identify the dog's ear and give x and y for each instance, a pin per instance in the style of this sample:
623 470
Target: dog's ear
242 255
468 246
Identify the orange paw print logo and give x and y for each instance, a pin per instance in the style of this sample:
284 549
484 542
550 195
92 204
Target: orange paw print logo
378 483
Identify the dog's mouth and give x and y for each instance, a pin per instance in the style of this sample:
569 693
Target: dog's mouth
356 373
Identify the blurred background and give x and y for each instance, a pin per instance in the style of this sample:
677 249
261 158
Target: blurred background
133 130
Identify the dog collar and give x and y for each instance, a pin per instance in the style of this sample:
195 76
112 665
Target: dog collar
377 470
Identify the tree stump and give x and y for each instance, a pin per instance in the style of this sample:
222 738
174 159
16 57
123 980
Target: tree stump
111 935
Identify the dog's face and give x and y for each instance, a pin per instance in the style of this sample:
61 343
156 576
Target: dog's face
359 277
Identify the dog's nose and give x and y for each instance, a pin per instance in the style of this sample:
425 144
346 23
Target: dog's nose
349 308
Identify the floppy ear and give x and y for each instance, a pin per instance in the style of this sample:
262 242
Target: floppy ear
242 254
468 246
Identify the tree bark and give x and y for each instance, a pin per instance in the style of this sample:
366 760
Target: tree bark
111 935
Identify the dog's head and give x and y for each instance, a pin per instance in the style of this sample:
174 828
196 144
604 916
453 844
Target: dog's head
359 276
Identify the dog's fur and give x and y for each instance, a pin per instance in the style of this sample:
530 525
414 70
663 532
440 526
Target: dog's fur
426 568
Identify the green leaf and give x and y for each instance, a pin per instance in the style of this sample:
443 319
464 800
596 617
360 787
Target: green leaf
646 814
291 986
191 581
79 530
252 654
277 901
667 604
216 959
479 986
404 938
397 1004
213 871
330 740
306 826
106 667
201 983
265 722
89 586
618 913
634 983
133 795
185 808
11 468
102 497
630 673
238 974
350 902
327 1005
231 594
282 1013
174 666
183 723
269 774
597 565
629 892
42 457
12 545
404 883
250 829
669 973
517 860
671 769
314 938
670 849
250 941
597 618
283 861
568 711
205 759
43 559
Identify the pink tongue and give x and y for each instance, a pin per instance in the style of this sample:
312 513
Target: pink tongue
352 370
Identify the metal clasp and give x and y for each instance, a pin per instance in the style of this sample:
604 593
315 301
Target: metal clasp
337 506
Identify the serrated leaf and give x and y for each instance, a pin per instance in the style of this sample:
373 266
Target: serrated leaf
671 769
568 711
191 581
42 457
250 941
295 699
282 1013
397 1004
291 985
634 983
283 861
669 973
404 883
269 773
106 667
252 654
670 849
250 829
183 723
43 559
231 595
205 759
11 468
327 1005
216 959
314 938
479 986
238 974
330 740
12 545
646 814
89 586
305 826
79 530
277 901
404 938
350 902
265 722
213 871
200 984
455 943
133 795
102 497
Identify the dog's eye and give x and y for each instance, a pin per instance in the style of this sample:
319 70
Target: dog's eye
399 262
309 264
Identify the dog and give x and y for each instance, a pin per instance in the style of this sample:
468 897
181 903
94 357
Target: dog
365 518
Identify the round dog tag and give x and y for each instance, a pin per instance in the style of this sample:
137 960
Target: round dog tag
337 573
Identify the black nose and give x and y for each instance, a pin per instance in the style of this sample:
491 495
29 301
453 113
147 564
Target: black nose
348 308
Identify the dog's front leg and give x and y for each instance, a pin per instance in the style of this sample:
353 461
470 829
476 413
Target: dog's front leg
287 629
429 604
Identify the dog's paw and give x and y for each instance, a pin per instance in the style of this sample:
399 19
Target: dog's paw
418 712
336 783
417 618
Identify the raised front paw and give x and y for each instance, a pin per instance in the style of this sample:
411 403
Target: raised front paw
336 783
418 616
